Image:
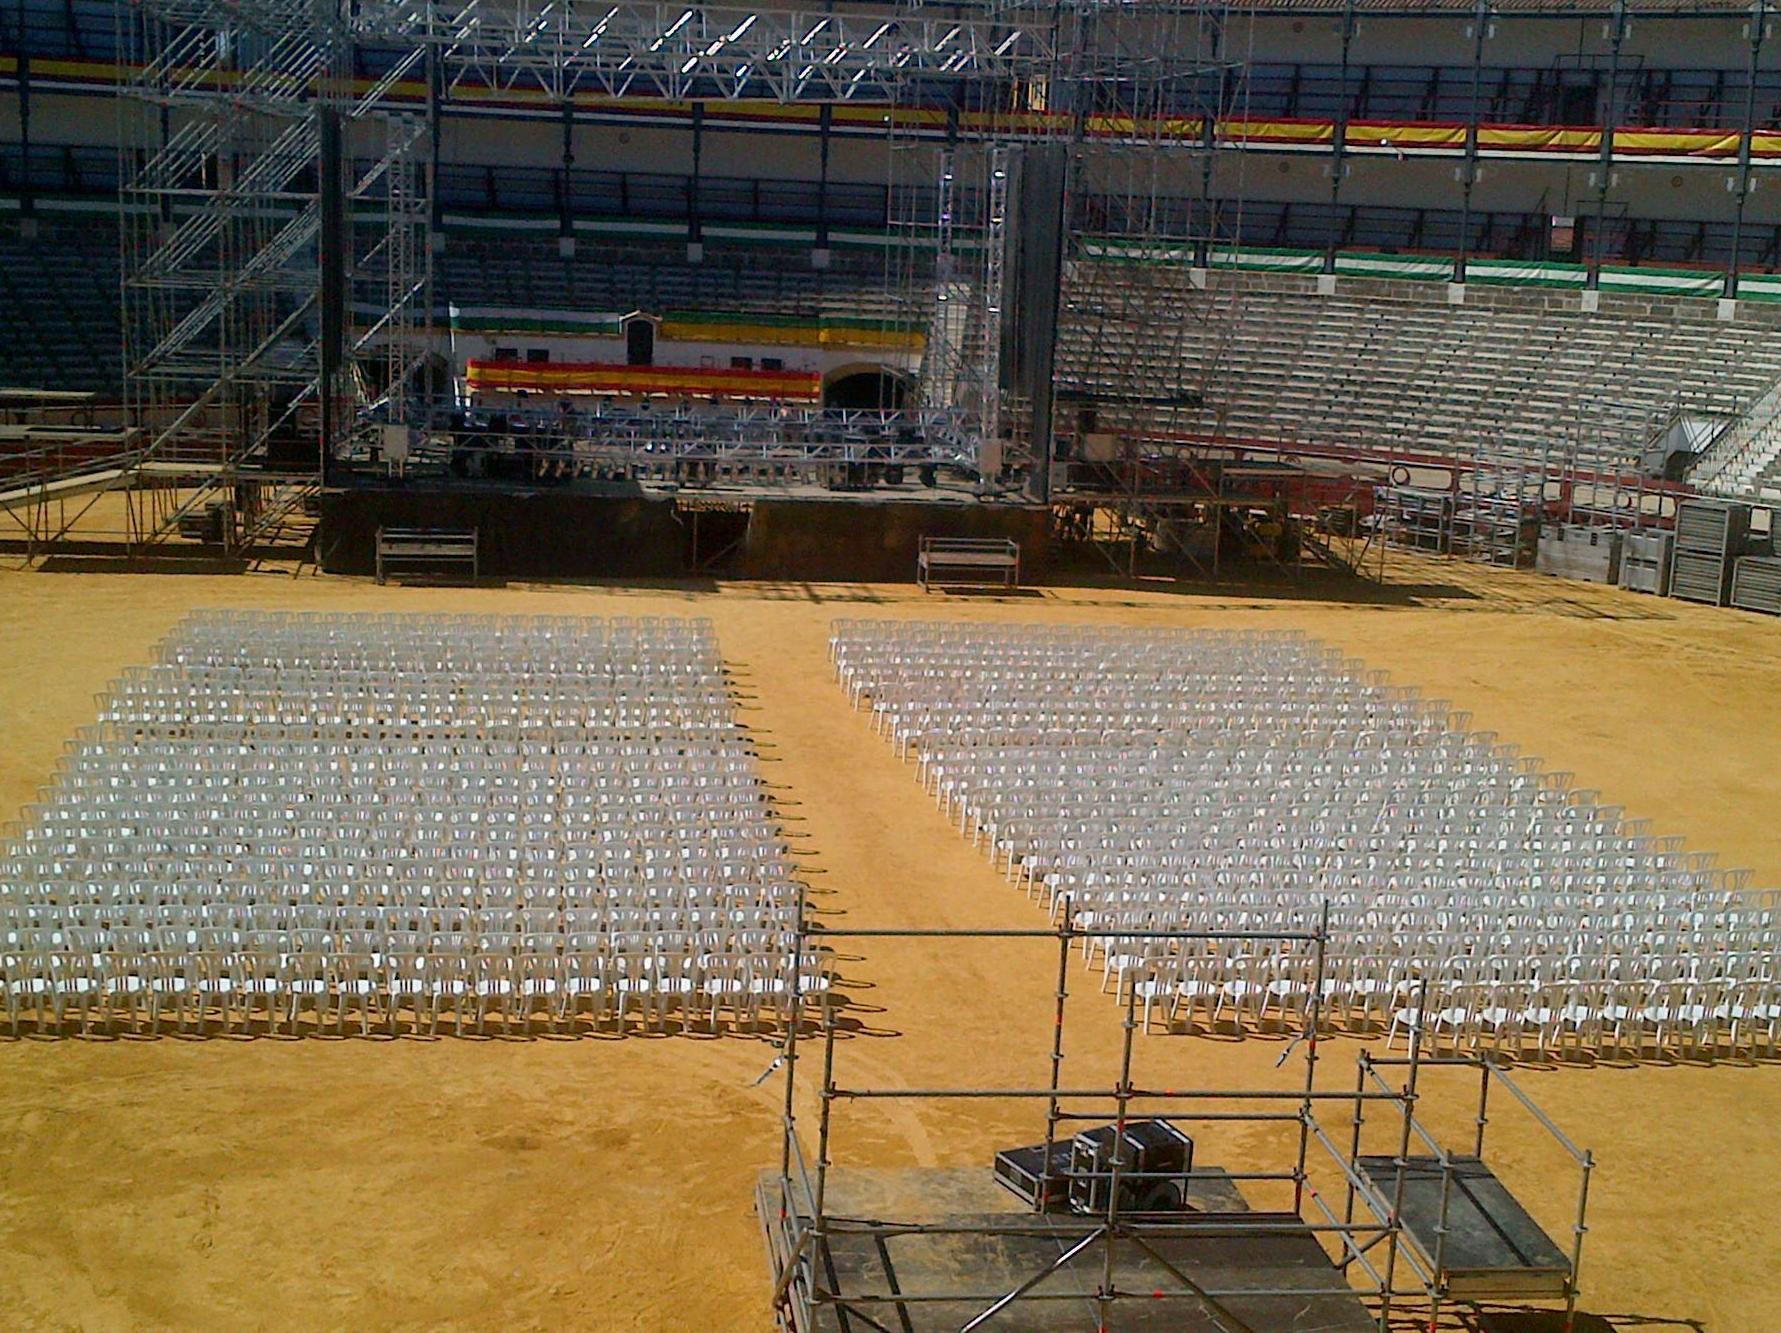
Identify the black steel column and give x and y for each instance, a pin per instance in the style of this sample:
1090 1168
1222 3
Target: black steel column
1038 273
1605 162
159 36
1210 116
435 93
27 199
695 232
566 192
1339 147
824 127
332 245
1469 168
1759 21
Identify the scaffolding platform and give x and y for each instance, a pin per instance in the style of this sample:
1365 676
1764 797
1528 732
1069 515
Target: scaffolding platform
1264 1271
1492 1250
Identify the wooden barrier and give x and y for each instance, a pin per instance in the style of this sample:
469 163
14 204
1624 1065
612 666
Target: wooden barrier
968 562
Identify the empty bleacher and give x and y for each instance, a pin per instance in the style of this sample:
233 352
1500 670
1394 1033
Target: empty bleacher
1745 461
1383 364
1376 364
1563 93
528 272
59 306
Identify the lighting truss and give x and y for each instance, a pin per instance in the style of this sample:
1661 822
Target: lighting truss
560 48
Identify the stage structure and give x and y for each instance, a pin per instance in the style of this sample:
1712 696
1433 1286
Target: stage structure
275 212
1330 1236
1001 249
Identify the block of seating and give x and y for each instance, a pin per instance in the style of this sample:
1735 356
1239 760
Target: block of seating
1144 780
294 823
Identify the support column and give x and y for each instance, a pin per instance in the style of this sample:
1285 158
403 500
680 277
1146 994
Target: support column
695 231
1468 170
27 194
435 93
819 254
565 192
332 378
1741 183
1038 276
1210 116
1339 147
1605 161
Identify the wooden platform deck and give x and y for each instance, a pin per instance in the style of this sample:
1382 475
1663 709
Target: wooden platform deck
1493 1251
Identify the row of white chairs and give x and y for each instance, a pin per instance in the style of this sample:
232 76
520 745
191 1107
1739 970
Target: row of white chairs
210 991
766 931
1718 1010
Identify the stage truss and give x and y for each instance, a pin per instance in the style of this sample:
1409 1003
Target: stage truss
245 146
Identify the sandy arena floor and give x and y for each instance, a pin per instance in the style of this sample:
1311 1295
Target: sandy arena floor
607 1184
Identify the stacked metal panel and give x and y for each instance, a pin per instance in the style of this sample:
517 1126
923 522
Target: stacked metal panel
1710 536
1756 584
1574 551
1645 562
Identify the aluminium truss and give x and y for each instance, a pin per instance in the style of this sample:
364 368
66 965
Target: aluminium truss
1131 92
606 439
945 261
678 51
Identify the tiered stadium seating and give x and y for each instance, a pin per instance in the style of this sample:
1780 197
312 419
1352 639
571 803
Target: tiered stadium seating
1377 363
1393 364
1745 461
59 307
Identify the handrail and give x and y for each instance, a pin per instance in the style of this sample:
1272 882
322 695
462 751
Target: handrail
43 476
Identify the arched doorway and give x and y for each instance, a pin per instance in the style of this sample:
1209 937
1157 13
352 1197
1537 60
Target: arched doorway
866 388
640 341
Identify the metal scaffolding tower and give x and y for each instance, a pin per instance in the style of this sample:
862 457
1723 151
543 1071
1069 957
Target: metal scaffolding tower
241 202
1128 94
945 264
1143 221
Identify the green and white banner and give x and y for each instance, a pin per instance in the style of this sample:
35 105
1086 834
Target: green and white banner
490 320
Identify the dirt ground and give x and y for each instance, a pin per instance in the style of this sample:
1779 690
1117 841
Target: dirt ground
607 1183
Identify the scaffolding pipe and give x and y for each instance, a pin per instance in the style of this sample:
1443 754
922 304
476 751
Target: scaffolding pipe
1052 1113
1408 1110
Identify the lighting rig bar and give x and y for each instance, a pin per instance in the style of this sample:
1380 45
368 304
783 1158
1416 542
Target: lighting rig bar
560 48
